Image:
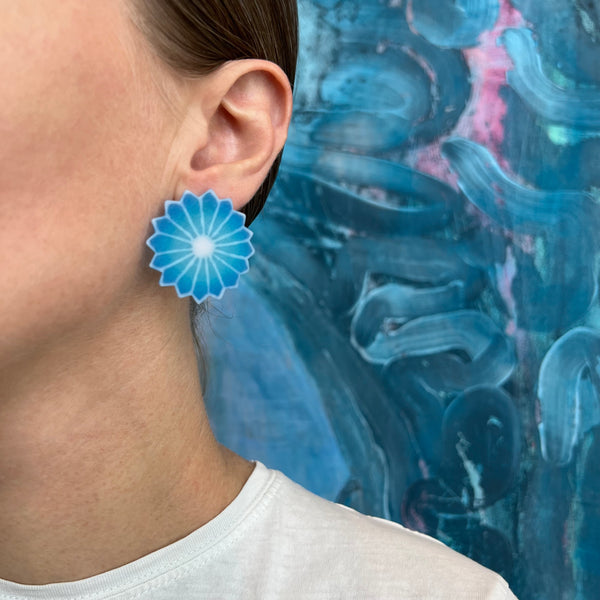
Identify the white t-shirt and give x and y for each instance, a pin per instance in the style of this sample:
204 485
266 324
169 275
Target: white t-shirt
277 540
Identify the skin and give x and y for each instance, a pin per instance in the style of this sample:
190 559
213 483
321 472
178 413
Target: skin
106 453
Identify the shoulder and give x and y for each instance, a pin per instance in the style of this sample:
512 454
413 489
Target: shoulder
376 558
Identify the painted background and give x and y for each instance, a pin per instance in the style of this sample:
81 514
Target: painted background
419 334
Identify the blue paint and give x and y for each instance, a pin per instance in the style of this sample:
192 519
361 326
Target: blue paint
578 108
376 101
419 407
349 398
567 31
277 386
408 91
390 305
586 551
490 355
377 195
564 222
569 393
419 263
481 445
454 23
512 205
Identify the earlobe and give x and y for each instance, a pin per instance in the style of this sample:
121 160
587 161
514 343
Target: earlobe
249 109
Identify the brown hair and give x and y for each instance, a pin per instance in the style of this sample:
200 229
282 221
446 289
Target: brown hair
196 37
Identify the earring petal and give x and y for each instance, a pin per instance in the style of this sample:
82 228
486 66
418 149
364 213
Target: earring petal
162 261
171 274
229 275
241 249
160 243
186 280
224 209
232 225
209 204
201 285
166 226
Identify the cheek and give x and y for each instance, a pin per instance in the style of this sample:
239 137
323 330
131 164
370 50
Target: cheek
81 155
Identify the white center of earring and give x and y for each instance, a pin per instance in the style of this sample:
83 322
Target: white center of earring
203 246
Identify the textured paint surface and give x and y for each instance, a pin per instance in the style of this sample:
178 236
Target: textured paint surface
419 333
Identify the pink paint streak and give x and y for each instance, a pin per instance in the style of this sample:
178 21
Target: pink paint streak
482 120
504 279
489 62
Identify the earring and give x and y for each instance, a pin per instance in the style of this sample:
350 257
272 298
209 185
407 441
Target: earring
201 246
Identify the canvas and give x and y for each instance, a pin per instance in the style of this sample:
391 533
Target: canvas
419 334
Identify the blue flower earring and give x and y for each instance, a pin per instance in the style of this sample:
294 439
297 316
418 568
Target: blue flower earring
201 246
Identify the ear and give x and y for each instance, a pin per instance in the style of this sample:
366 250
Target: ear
235 125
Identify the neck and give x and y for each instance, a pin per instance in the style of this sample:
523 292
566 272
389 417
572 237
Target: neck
106 453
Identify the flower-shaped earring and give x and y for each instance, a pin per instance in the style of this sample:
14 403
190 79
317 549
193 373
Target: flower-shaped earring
201 246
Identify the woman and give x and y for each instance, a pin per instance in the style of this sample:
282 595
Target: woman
111 482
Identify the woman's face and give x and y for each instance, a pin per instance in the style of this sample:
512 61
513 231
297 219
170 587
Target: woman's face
84 140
